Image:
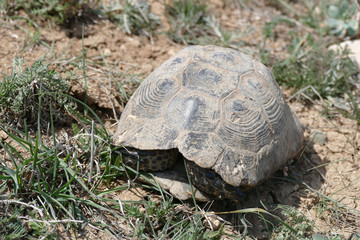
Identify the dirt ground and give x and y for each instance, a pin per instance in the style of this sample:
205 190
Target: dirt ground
330 162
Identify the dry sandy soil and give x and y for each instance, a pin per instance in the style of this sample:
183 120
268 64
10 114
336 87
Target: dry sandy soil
330 168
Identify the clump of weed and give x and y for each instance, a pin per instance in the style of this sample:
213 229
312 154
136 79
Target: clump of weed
269 26
297 225
164 219
10 226
190 24
335 17
132 17
310 67
43 178
187 20
340 18
223 37
14 224
311 64
57 10
22 91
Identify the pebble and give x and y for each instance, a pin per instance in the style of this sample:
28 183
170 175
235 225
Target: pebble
318 137
354 48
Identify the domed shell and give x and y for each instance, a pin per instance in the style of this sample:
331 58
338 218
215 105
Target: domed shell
220 108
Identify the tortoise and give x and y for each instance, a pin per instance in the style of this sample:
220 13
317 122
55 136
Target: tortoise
220 110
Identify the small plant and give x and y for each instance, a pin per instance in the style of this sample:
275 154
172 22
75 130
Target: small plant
223 37
189 24
299 223
337 17
311 64
132 17
21 91
43 179
187 20
269 26
163 219
57 10
341 19
10 226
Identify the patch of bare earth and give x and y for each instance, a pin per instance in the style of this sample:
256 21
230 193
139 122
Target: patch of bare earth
340 181
326 170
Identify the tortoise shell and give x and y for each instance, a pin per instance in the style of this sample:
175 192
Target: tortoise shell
220 108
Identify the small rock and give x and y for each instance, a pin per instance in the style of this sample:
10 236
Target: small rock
212 222
142 210
318 149
3 135
318 137
354 48
171 52
107 52
133 42
285 171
